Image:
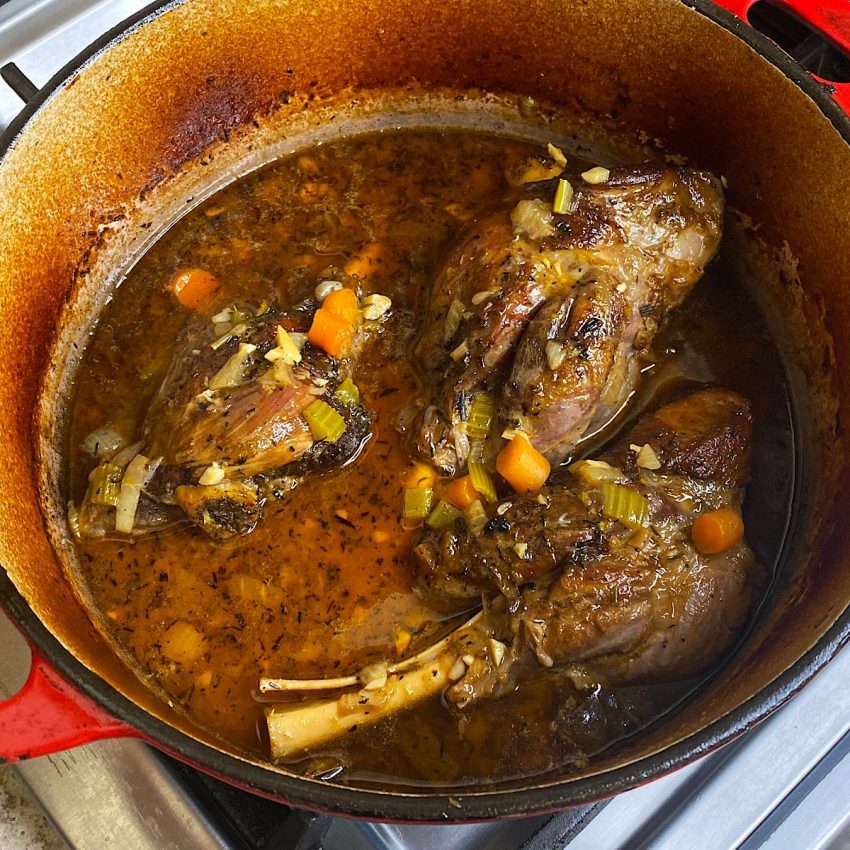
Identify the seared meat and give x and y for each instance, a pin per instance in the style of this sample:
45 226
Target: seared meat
252 427
617 602
457 567
554 312
245 428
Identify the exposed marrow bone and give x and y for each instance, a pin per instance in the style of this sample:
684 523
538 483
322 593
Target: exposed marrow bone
294 729
299 726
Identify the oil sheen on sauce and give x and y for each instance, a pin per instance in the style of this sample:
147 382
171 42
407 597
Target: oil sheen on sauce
324 584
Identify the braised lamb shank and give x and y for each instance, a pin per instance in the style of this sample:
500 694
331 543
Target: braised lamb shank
624 601
553 312
227 425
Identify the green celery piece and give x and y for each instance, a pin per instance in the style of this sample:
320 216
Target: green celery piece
348 393
417 502
481 413
105 485
325 423
482 481
444 514
624 504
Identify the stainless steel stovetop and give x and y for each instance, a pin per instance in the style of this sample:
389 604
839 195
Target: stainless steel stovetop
784 785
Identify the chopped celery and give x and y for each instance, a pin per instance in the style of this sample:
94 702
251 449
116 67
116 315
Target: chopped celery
482 481
417 502
481 413
563 197
624 504
348 393
105 485
325 423
444 514
476 518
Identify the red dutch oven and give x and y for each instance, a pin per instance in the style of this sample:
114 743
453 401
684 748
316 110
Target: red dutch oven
190 93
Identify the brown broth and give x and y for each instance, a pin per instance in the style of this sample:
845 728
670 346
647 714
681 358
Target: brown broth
332 558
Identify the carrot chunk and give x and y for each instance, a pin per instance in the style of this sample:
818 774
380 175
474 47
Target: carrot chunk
343 303
193 287
331 333
522 466
717 531
460 492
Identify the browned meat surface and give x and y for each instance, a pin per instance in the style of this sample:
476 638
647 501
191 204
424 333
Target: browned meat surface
620 603
252 427
567 303
455 565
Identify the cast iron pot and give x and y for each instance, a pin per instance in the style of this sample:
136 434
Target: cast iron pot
156 116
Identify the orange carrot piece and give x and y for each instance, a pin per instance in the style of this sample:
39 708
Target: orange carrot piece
343 303
717 531
193 287
522 466
460 492
331 333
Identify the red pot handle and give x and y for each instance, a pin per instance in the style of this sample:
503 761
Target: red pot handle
831 18
48 715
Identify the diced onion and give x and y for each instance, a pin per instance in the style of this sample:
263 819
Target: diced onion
453 317
496 650
557 154
457 671
555 354
126 454
102 442
532 218
326 287
298 340
375 306
182 642
225 315
213 474
230 375
233 333
484 295
596 175
292 353
373 677
460 352
139 471
595 471
476 517
646 458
